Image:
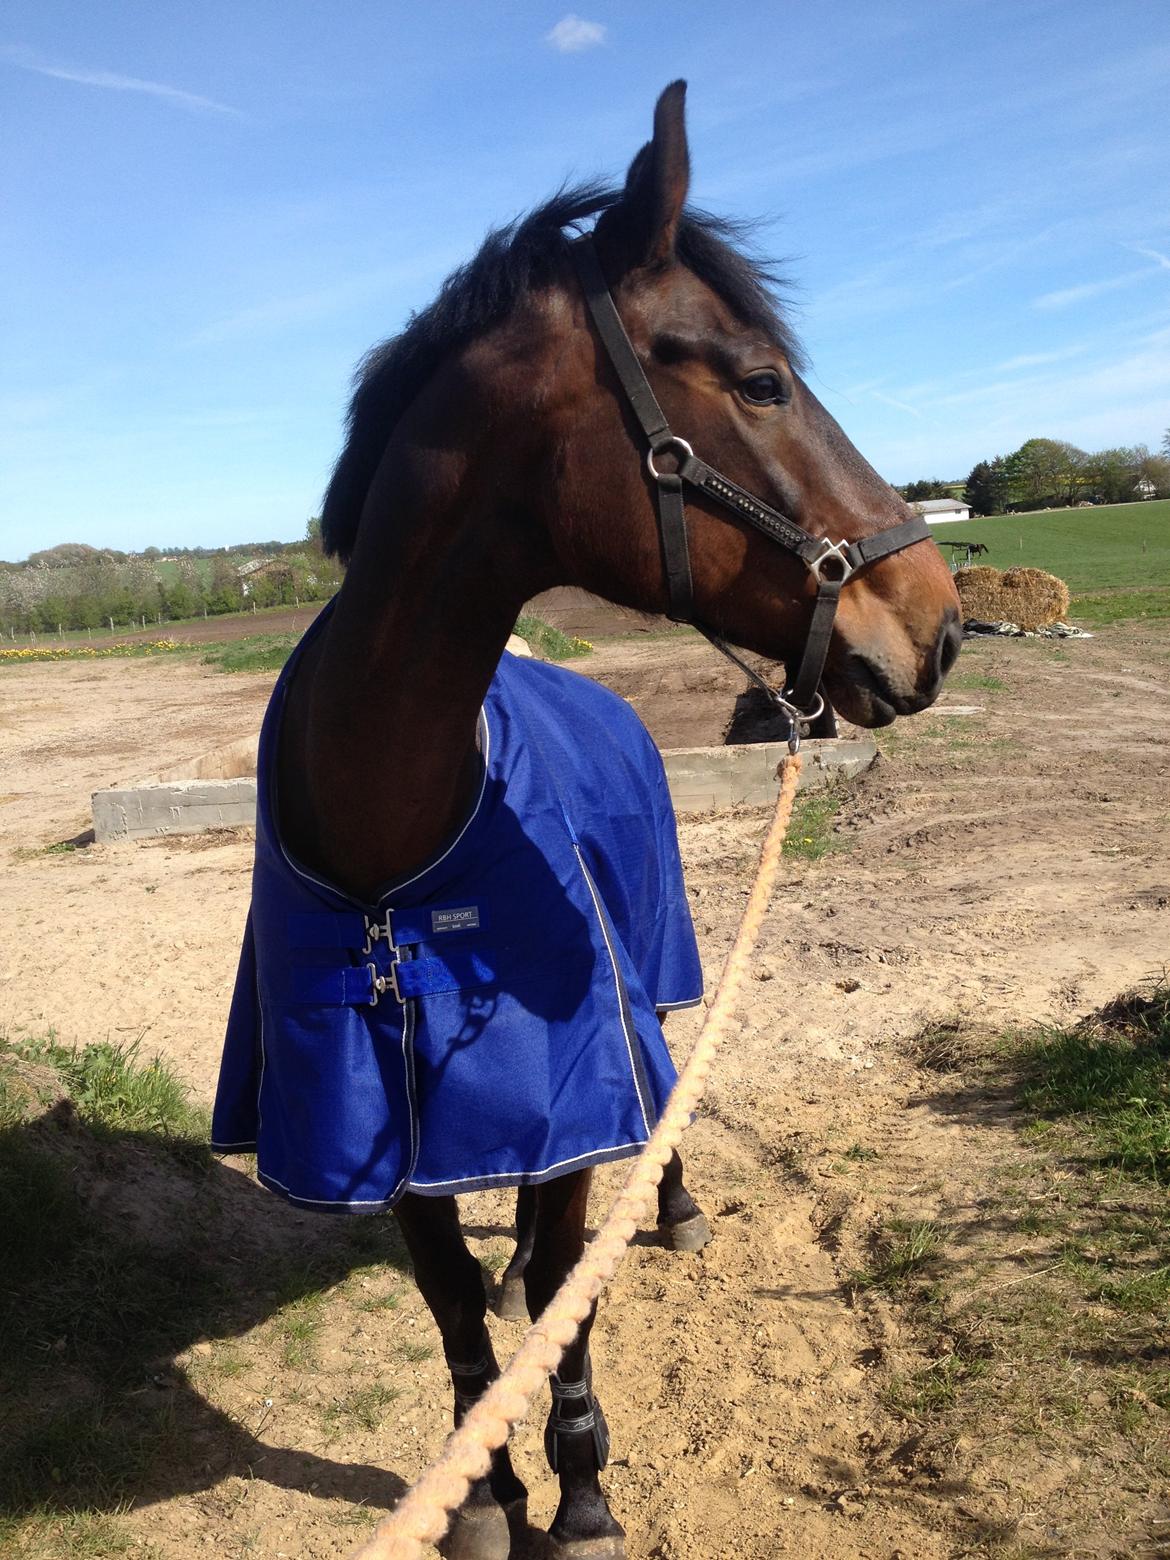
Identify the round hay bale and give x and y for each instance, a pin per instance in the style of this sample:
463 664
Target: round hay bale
1030 598
979 593
1040 598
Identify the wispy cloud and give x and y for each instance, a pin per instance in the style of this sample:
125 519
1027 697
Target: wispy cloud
573 33
1086 290
294 311
27 59
1156 255
1013 365
900 406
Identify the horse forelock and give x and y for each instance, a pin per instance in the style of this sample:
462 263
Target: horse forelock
514 261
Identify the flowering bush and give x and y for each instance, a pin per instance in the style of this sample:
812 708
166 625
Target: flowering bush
20 654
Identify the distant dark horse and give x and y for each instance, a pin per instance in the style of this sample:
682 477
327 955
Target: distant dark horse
492 455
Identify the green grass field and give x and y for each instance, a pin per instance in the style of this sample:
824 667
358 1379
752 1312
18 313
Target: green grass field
1111 547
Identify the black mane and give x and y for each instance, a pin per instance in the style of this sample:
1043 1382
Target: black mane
513 261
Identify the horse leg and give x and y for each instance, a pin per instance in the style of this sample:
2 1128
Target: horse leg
576 1439
510 1302
680 1219
451 1283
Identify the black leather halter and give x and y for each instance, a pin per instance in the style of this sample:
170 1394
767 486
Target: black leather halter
831 564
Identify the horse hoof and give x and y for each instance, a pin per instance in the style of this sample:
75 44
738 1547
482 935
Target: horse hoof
480 1533
511 1303
611 1548
691 1235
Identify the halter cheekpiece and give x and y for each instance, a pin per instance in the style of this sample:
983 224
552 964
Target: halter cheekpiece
830 563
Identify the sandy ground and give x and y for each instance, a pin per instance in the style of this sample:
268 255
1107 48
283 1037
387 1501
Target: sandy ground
1010 864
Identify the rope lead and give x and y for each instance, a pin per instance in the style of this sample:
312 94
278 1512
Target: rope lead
422 1515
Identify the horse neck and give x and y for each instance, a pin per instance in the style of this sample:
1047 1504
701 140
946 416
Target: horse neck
378 760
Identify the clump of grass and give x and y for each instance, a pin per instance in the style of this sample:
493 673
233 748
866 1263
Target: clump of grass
860 1152
74 1536
810 834
495 1258
550 642
944 1045
1108 1081
904 1249
972 680
365 1407
114 1091
298 1324
415 1353
256 653
935 1386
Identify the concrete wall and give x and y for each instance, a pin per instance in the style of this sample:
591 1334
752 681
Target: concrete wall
744 775
700 779
173 807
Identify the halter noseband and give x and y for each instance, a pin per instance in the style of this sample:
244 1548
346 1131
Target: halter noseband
830 563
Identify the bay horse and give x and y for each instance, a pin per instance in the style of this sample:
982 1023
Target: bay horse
495 450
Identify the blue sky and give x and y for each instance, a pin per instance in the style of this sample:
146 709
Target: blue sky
211 211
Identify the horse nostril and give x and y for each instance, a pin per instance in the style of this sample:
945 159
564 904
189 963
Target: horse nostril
950 642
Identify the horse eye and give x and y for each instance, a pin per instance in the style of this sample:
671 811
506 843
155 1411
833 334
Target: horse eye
763 389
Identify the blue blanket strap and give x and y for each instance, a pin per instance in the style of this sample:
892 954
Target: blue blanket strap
401 928
352 985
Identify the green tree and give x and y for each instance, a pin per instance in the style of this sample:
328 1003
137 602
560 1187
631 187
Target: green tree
224 593
1047 471
988 487
1113 475
925 487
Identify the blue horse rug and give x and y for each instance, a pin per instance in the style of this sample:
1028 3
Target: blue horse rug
491 1019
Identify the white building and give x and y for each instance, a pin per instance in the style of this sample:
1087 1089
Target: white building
938 511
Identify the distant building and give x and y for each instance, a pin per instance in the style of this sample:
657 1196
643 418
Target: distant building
938 511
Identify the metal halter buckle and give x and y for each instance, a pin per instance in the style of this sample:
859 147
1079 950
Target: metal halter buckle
832 550
680 446
380 983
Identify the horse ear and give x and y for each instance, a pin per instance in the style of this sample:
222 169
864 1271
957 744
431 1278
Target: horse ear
657 183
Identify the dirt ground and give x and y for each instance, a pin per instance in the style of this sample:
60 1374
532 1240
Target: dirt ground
1009 864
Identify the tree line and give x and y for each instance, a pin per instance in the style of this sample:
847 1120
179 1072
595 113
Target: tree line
1052 474
75 586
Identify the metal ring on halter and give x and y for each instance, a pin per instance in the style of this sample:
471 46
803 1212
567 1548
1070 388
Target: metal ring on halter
674 442
799 714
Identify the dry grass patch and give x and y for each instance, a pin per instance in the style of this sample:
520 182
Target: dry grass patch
1037 1296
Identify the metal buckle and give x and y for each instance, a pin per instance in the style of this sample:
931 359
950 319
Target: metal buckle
383 983
375 931
675 443
837 550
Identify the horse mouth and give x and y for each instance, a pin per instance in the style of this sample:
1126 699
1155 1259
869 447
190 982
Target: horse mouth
863 695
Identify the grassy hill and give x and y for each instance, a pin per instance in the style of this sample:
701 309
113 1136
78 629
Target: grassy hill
1110 547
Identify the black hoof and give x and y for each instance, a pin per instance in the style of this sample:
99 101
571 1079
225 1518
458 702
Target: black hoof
511 1304
691 1235
611 1548
483 1532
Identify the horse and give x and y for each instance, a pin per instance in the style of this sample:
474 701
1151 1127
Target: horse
518 435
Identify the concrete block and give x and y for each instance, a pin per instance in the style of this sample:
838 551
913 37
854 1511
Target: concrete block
744 775
173 807
700 780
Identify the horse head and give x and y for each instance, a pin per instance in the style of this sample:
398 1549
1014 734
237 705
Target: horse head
724 368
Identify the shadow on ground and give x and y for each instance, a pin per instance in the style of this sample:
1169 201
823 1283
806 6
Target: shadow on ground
124 1250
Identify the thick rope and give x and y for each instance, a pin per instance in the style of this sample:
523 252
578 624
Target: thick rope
422 1515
